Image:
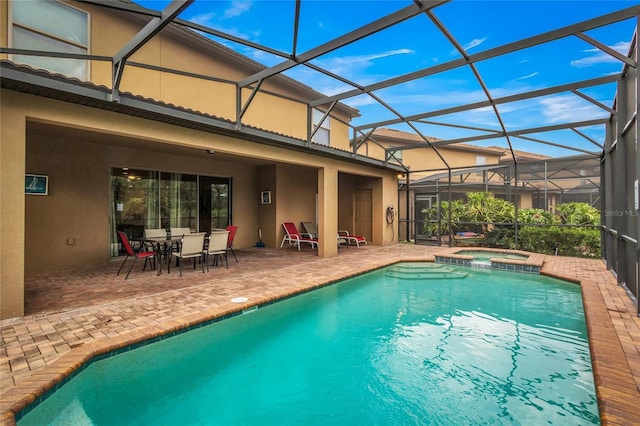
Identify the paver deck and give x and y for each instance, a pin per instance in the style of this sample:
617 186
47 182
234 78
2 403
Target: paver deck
74 315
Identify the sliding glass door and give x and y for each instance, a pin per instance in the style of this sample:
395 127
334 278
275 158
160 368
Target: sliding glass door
144 199
179 200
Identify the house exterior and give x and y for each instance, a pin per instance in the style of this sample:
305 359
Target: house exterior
553 181
422 161
125 132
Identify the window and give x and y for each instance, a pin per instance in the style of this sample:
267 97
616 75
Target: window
323 133
397 156
481 160
54 27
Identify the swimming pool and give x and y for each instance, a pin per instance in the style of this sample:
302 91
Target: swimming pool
383 348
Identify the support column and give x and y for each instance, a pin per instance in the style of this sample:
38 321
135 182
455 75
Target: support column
328 212
12 207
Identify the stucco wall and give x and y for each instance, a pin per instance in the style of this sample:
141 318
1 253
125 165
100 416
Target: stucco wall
74 220
296 190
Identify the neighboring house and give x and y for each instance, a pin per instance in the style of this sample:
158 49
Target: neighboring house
423 161
139 132
554 181
543 181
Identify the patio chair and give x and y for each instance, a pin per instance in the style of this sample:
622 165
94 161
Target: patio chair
309 228
191 247
217 246
355 239
232 234
294 238
153 233
131 253
178 232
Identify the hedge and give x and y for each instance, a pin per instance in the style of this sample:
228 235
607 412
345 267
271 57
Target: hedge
582 242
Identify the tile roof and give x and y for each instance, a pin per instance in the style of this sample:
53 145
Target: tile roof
406 138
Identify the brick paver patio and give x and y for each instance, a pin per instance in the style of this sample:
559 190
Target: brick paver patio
74 315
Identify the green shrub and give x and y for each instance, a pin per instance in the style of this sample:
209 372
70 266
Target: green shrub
581 242
457 215
500 237
484 207
535 216
578 214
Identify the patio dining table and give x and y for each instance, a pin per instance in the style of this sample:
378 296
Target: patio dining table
163 247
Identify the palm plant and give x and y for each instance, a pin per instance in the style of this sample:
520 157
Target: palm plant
578 214
484 208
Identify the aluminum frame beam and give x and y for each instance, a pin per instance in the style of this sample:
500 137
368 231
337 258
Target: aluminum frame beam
362 32
491 53
502 100
515 133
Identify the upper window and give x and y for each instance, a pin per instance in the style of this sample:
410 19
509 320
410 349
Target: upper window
54 27
322 136
397 156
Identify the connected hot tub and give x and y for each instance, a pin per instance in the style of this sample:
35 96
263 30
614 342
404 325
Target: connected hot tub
509 260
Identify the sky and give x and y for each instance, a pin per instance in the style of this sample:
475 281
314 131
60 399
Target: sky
417 43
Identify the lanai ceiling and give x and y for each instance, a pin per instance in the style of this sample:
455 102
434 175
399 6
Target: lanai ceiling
442 85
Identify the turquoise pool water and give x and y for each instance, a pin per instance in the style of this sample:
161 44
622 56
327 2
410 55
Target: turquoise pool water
486 255
405 345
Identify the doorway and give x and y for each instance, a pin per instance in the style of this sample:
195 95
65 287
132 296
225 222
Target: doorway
428 226
363 213
214 203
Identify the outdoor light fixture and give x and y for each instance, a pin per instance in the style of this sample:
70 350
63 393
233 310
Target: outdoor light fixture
210 151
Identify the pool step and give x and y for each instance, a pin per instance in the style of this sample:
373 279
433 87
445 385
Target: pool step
424 272
408 267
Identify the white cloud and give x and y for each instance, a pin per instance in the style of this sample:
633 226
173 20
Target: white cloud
238 7
349 65
204 18
597 56
568 108
524 77
474 43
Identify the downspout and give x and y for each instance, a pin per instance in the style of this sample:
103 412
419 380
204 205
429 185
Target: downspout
515 204
408 223
449 221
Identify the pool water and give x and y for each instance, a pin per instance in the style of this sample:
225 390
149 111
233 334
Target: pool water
486 347
486 255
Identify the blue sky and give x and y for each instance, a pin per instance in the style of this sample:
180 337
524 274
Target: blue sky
417 44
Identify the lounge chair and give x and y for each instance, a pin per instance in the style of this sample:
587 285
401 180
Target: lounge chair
467 239
309 228
352 239
295 238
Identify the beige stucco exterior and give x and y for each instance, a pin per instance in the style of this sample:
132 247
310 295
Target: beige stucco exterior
76 146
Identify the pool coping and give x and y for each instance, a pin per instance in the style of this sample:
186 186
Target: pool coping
614 380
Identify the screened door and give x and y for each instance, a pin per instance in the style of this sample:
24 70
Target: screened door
428 224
